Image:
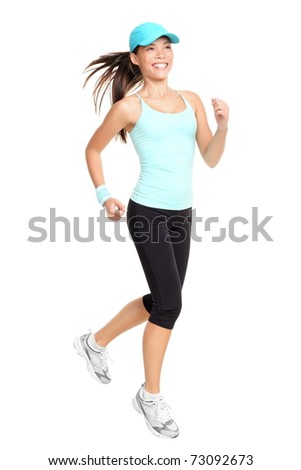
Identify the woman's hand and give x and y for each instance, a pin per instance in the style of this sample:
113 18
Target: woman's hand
221 113
114 208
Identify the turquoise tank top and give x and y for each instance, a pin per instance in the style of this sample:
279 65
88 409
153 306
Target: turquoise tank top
165 144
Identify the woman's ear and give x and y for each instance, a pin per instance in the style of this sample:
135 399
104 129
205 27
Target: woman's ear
134 58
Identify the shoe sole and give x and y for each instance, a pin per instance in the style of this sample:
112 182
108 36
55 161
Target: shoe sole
152 430
80 350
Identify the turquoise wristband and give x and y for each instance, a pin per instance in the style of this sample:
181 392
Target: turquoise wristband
102 194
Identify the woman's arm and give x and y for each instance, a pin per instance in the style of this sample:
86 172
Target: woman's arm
210 146
216 147
117 118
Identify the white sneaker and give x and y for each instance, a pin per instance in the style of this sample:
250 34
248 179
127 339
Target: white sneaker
96 360
157 416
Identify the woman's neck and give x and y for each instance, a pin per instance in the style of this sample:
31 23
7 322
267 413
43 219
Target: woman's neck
156 89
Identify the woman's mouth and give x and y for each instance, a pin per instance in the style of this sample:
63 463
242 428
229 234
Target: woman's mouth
160 65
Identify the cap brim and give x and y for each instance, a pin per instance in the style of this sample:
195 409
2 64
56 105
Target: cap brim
172 37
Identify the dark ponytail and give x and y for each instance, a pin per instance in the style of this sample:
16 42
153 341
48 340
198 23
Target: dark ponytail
118 75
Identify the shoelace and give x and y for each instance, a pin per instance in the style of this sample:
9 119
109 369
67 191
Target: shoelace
103 357
162 410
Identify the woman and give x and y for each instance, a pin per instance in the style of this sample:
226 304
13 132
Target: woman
164 125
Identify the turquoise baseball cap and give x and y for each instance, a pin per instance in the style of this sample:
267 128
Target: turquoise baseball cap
146 33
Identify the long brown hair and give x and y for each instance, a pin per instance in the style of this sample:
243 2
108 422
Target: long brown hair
118 75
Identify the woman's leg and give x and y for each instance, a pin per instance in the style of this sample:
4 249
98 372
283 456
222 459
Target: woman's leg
92 347
163 249
155 341
156 338
133 314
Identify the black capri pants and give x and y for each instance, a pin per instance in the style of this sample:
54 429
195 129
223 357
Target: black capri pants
162 240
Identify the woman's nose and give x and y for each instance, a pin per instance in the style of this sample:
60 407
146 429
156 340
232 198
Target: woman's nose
160 54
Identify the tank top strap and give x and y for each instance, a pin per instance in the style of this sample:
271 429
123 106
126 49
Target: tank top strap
142 103
183 98
140 99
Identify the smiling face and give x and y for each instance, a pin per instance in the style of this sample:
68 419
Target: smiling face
154 60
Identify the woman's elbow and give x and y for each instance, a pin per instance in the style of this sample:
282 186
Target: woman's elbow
212 164
209 162
91 152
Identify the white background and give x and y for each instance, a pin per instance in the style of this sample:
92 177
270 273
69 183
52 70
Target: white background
232 370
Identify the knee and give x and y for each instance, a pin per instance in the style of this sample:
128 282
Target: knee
165 313
147 302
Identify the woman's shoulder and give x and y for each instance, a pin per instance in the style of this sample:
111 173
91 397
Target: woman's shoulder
190 95
128 106
127 110
193 99
130 101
